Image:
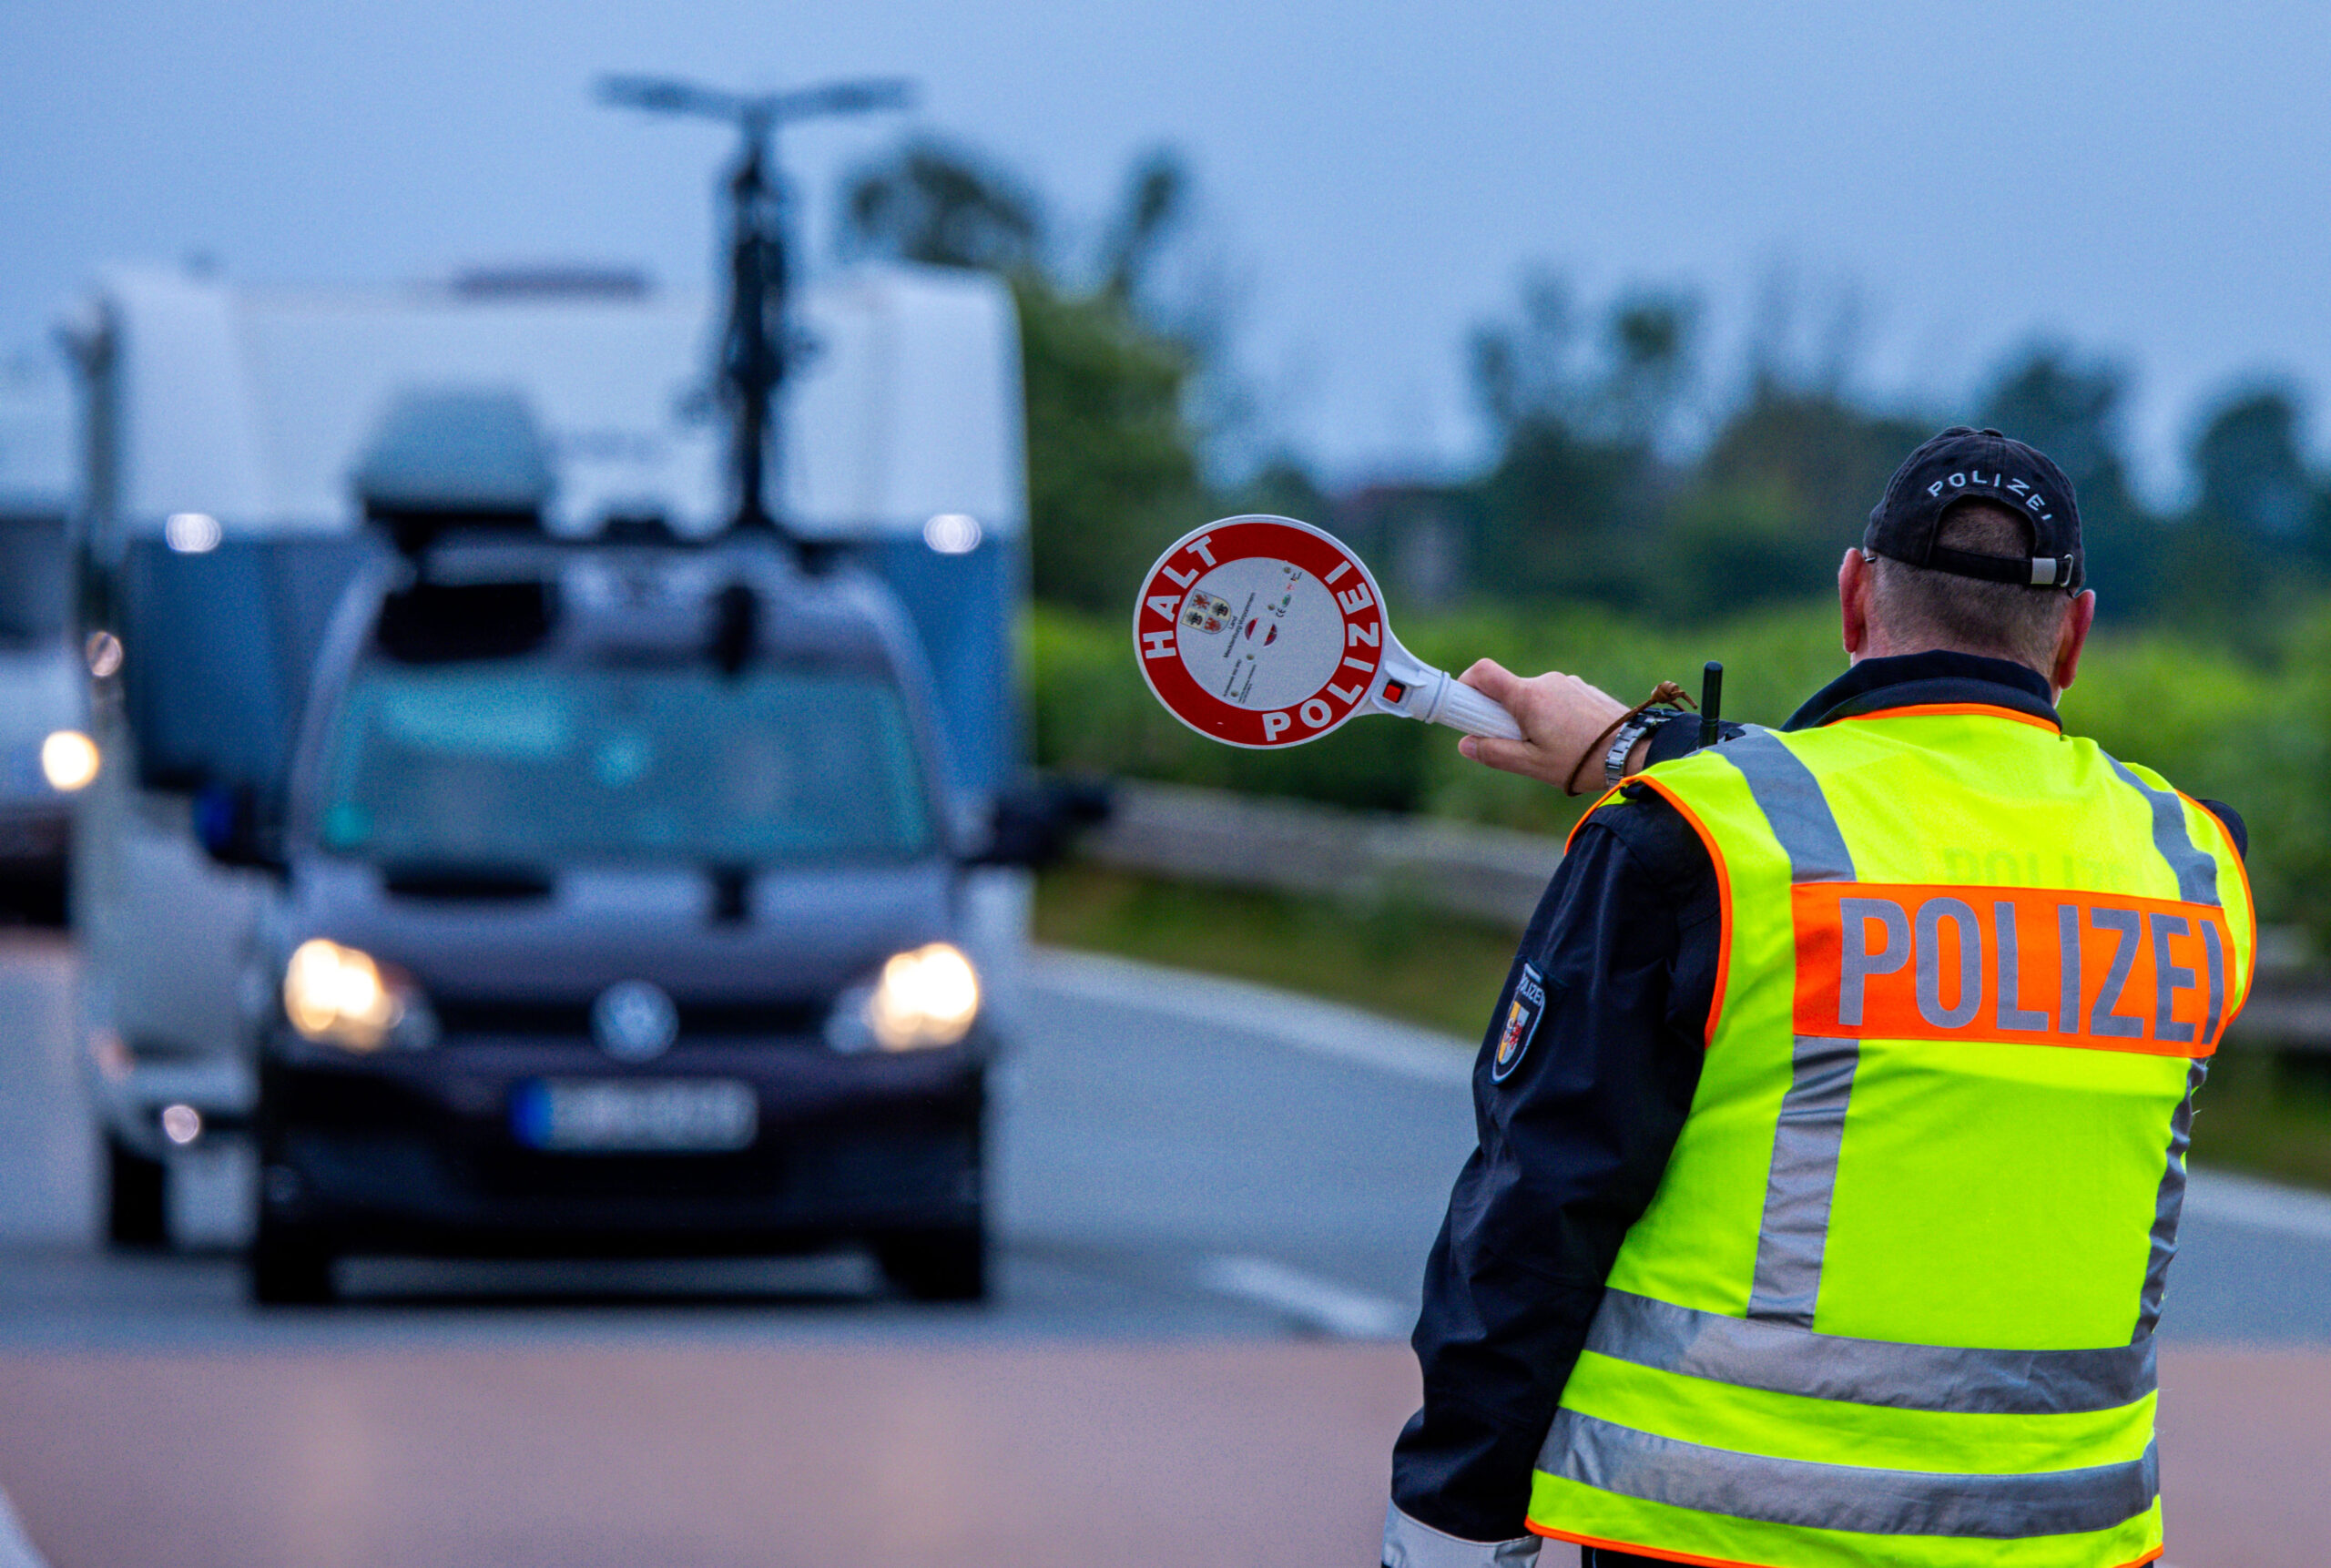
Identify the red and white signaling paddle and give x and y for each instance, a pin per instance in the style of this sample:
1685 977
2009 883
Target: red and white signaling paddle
1264 632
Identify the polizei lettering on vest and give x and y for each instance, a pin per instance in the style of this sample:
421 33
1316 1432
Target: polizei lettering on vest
2020 965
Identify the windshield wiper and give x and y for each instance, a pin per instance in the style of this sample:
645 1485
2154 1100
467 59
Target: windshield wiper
731 893
464 879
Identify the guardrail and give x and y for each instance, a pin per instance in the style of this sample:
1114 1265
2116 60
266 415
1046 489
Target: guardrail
2285 1013
1496 874
1296 846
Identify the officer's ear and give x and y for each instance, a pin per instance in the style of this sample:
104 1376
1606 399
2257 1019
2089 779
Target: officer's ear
2070 638
1853 602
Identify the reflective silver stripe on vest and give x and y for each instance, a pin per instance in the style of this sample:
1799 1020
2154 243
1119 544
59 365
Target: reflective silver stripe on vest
1794 807
2216 951
1794 1230
2197 883
1612 1458
1783 1360
2197 871
2168 1203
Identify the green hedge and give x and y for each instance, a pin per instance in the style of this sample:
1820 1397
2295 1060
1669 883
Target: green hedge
2249 732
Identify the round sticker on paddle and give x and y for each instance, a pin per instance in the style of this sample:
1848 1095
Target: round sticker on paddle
1263 631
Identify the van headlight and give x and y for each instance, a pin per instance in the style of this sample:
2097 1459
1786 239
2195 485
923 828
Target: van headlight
928 997
342 996
69 760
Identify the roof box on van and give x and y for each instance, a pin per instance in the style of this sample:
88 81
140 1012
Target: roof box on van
454 456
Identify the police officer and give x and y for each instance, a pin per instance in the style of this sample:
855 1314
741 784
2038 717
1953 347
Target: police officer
1832 1121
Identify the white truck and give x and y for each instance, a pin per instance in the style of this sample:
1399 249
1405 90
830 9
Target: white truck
225 426
44 753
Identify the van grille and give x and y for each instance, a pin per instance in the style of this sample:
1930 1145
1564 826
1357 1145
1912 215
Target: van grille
698 1020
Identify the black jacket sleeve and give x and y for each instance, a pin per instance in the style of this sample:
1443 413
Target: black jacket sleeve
2236 828
1573 1139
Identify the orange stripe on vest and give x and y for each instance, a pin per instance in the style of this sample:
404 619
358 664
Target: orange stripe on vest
2022 965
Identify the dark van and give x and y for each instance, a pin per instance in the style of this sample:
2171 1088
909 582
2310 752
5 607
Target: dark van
619 914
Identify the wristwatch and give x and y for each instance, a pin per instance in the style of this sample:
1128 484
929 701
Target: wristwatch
1615 761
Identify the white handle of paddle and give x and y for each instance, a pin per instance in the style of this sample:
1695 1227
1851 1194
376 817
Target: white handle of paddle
1459 707
1436 697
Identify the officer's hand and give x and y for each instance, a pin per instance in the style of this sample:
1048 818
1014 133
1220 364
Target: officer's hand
1560 715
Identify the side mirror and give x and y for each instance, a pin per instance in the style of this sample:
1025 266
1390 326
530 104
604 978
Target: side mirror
1035 824
233 830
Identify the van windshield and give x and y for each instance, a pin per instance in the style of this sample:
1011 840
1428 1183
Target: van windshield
546 763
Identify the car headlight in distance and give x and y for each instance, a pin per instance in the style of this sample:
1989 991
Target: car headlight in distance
339 995
927 997
69 760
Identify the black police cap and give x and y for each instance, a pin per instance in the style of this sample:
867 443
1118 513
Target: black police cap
1965 464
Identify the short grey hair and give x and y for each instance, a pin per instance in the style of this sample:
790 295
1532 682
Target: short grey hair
1923 608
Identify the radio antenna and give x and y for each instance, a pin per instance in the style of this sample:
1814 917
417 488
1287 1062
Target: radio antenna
755 349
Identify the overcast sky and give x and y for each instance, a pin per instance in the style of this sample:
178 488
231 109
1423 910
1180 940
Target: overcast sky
2148 180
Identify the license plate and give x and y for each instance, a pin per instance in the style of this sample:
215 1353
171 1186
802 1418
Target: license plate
655 1116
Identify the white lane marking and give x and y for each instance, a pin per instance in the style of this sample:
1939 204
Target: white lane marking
1317 1303
16 1548
2260 1205
1323 1028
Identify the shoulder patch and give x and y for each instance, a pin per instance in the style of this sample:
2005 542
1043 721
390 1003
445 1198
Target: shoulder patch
1522 1016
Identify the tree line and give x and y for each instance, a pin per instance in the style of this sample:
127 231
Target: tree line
1597 491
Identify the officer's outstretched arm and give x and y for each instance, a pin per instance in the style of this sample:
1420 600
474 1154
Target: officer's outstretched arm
1561 716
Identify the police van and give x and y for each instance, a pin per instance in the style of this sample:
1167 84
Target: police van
492 855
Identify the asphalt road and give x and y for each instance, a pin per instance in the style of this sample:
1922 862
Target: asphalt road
1214 1203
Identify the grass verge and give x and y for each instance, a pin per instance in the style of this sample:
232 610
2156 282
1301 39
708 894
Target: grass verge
2268 1113
1396 959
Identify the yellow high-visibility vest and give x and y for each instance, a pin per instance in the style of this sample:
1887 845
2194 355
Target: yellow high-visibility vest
1894 1301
